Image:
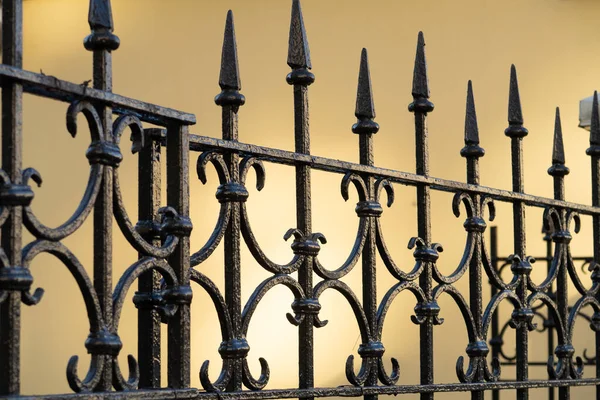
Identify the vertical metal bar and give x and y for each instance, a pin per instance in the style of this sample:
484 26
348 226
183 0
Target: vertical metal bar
558 170
516 132
549 321
102 42
594 152
149 199
472 152
365 127
301 78
421 106
12 109
178 197
230 100
496 341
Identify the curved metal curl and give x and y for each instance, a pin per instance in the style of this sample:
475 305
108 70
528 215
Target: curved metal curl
86 204
226 334
250 307
136 240
363 326
92 305
129 276
224 212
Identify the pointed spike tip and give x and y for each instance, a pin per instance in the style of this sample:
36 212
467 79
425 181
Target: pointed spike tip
229 77
298 51
471 129
100 15
420 79
558 149
515 115
595 123
364 96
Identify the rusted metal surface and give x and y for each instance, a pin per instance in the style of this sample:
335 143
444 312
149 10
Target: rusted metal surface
166 267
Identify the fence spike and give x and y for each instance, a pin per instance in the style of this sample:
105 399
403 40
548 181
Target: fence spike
100 15
471 130
364 96
101 23
558 149
420 80
471 149
365 109
298 51
515 115
229 77
595 124
558 168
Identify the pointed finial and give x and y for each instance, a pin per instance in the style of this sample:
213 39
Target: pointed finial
365 109
101 23
364 96
515 115
558 149
594 149
229 77
298 51
471 130
558 167
420 79
420 89
471 148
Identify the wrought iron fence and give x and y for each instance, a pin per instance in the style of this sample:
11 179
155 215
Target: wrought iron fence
166 266
548 326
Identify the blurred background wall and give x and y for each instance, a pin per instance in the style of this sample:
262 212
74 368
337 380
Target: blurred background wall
170 55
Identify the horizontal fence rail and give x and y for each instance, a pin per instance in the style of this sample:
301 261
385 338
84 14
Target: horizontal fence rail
167 268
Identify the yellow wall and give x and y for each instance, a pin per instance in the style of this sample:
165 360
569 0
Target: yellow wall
170 55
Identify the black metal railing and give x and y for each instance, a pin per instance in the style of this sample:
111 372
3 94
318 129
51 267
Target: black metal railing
167 267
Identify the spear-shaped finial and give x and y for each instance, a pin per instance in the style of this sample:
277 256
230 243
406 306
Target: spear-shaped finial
101 23
471 148
471 130
594 149
420 89
420 79
229 77
365 109
558 167
558 149
298 51
515 115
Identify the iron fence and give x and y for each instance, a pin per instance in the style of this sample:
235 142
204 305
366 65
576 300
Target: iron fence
166 269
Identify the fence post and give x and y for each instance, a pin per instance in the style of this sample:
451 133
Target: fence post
420 107
230 99
301 78
521 265
594 152
101 42
178 197
149 199
365 127
12 109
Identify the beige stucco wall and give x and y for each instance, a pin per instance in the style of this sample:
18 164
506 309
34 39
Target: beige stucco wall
170 55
